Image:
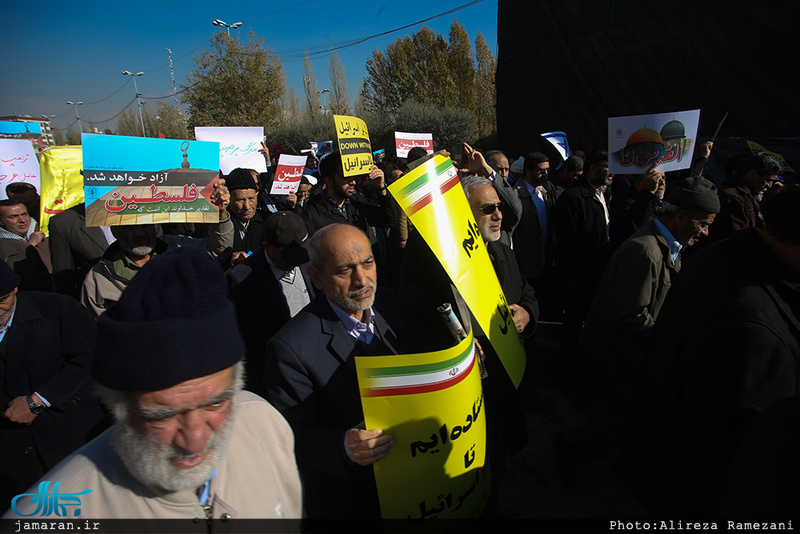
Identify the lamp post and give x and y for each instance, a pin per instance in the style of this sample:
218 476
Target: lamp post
138 101
76 104
226 25
320 93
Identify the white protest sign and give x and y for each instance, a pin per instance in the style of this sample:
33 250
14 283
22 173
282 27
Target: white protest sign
405 141
288 174
18 163
238 146
636 143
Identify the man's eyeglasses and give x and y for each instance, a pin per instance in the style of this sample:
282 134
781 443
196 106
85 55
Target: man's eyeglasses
488 209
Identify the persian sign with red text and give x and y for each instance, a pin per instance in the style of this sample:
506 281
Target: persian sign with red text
288 174
137 180
404 141
636 143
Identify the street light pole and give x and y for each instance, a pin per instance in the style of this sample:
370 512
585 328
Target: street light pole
226 25
76 104
138 101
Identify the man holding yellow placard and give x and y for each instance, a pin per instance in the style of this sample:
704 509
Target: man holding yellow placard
310 375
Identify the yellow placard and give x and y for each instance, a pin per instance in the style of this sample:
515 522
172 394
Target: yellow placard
354 145
432 197
432 405
62 181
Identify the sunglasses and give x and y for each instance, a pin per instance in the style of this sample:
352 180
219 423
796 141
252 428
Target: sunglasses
488 209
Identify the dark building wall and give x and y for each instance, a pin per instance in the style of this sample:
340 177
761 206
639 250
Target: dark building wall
570 64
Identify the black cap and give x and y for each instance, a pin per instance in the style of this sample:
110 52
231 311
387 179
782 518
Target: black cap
173 323
287 230
9 280
695 193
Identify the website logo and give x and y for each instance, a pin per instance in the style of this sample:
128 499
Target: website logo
47 503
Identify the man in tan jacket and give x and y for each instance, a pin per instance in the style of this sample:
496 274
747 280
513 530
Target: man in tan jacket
187 442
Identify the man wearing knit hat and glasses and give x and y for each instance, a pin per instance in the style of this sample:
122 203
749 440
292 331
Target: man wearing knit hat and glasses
187 442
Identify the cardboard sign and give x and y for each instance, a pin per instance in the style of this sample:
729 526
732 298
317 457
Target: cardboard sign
636 143
139 180
432 406
288 174
432 197
238 146
354 145
404 141
18 163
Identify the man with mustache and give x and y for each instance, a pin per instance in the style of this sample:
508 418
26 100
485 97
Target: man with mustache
137 244
187 442
310 375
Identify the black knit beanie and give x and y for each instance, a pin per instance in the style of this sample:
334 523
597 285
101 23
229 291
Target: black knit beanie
173 323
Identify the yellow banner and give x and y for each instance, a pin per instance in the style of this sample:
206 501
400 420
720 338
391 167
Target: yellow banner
62 181
354 145
432 197
432 405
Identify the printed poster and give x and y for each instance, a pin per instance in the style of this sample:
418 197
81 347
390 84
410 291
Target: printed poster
139 180
432 405
288 174
354 145
18 163
404 141
238 146
32 131
636 143
432 197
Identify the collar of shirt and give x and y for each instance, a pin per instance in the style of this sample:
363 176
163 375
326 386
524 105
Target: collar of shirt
8 324
341 209
203 492
672 243
279 273
537 191
363 331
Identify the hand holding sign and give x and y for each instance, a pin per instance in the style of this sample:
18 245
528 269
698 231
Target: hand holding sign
367 446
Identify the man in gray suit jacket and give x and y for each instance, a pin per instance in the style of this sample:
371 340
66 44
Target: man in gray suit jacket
310 375
74 249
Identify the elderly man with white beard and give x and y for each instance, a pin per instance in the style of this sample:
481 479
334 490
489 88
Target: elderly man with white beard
187 442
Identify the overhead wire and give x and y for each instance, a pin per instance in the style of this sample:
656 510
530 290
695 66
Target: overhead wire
289 55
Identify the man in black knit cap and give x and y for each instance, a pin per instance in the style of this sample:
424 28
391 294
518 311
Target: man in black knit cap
187 442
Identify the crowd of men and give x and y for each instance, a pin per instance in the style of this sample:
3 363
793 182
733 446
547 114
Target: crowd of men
156 347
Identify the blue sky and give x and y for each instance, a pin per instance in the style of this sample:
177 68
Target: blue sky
56 52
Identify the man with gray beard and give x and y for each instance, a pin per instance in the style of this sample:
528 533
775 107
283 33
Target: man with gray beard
187 442
310 375
137 244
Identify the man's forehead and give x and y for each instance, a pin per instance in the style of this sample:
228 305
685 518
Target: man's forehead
483 195
191 393
243 193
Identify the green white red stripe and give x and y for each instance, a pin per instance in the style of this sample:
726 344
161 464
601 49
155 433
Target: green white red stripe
420 192
425 378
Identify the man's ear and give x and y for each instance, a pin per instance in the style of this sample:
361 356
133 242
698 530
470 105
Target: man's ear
315 275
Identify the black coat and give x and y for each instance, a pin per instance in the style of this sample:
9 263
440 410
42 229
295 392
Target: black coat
311 379
727 349
48 350
359 212
261 311
74 249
